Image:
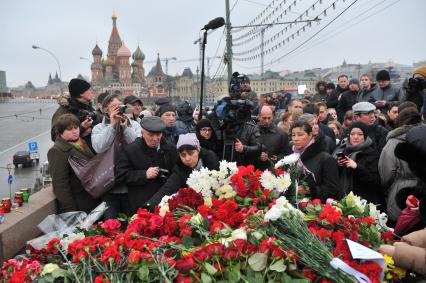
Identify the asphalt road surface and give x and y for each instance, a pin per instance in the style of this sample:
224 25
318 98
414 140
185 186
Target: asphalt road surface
21 122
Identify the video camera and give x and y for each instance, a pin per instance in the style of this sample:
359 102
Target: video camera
235 86
416 84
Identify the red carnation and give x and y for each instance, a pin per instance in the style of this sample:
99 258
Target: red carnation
185 264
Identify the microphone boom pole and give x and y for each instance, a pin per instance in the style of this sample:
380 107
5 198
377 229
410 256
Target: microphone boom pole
213 24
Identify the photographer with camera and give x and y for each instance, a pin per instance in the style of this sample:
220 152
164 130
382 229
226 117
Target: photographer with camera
115 124
191 157
416 89
115 114
240 134
79 104
145 164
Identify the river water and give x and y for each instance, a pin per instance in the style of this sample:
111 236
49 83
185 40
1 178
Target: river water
21 122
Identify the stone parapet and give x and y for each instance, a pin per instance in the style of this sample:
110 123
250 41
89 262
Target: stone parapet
20 225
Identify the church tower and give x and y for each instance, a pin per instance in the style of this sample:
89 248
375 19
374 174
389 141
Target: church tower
124 69
138 75
96 67
114 44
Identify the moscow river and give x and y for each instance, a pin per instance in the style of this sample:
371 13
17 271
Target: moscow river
22 122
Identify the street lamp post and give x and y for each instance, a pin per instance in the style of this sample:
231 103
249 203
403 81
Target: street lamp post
88 60
53 55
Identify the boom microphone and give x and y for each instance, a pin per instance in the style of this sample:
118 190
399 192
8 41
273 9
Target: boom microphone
214 24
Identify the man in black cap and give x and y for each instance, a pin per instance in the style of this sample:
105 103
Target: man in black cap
78 103
167 113
347 99
135 104
158 103
145 164
386 92
364 112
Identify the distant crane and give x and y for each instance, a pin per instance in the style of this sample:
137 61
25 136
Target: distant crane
183 61
198 59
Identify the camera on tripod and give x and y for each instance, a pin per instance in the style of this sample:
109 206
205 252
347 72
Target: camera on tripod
236 86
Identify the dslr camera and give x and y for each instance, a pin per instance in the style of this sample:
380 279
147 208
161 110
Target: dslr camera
123 109
85 114
163 175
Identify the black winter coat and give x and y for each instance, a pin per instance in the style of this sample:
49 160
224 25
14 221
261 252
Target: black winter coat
324 167
333 98
132 165
364 180
378 135
346 101
248 134
180 174
274 141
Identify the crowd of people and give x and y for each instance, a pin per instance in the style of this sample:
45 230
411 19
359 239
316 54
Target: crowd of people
362 136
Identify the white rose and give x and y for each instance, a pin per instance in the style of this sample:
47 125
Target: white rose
164 209
49 268
239 234
257 235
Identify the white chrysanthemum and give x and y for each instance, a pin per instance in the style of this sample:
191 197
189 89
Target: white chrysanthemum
267 179
282 208
288 160
282 182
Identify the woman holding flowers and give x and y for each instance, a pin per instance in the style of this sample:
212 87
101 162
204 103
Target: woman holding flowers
320 169
358 164
191 157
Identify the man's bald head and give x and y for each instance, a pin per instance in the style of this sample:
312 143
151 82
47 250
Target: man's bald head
266 116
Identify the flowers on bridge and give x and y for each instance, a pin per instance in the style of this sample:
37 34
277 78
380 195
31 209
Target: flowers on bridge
235 226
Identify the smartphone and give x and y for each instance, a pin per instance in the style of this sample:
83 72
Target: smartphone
340 155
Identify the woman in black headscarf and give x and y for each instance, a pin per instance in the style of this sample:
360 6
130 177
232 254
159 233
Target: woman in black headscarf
358 164
207 136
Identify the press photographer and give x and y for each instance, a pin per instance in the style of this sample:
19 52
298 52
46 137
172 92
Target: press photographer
416 89
78 103
240 133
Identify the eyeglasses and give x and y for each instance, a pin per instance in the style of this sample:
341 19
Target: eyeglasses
206 129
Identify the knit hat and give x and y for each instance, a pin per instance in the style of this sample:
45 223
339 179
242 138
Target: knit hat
383 75
77 87
363 127
166 108
330 86
354 81
203 123
421 71
188 140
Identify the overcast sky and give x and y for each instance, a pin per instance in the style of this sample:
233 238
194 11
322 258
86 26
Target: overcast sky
70 29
